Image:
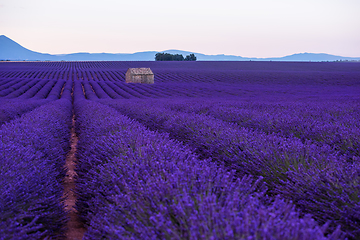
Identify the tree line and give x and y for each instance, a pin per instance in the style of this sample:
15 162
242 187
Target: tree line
174 57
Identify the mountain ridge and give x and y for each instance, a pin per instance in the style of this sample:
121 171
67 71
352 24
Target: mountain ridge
11 50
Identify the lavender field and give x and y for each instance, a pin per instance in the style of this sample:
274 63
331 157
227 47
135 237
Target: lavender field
212 150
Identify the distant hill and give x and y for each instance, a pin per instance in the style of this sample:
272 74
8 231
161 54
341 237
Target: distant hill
10 50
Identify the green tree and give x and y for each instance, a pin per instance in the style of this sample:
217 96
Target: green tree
190 57
174 57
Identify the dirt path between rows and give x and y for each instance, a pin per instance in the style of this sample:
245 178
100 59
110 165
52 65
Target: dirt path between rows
75 228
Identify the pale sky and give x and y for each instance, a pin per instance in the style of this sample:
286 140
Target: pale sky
251 28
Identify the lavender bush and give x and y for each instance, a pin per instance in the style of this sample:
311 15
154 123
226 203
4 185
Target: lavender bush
184 171
32 151
137 184
333 123
11 109
275 158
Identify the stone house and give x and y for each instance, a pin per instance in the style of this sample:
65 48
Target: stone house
139 75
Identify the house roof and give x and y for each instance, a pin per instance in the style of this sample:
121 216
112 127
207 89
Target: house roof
140 71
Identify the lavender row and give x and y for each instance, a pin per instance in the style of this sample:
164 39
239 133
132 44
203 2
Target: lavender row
57 90
30 85
16 87
137 184
33 90
220 66
331 123
119 90
98 90
44 91
8 83
4 82
78 92
285 163
76 74
110 91
127 91
14 108
323 74
36 90
67 91
89 92
33 150
223 141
